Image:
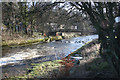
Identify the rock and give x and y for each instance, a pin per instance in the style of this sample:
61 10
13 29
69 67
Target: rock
77 62
38 47
76 42
83 42
53 41
77 58
29 71
76 55
59 37
63 37
71 42
57 40
48 40
79 41
67 42
53 47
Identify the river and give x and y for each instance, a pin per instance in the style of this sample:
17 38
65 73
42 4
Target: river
15 60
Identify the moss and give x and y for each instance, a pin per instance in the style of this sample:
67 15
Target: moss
56 38
16 43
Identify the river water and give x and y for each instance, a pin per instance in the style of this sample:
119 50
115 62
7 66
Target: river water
23 56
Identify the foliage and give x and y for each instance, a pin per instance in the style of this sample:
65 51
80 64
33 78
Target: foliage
68 63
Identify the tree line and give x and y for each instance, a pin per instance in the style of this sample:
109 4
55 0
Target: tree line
29 17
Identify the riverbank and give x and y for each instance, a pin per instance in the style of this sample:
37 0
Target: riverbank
89 47
91 66
25 42
49 69
19 40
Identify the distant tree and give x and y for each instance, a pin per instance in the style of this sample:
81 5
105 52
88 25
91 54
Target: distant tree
9 14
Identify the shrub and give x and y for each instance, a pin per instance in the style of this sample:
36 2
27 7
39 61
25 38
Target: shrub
68 64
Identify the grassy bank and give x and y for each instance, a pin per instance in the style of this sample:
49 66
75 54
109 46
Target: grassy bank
49 69
24 42
90 46
93 64
13 43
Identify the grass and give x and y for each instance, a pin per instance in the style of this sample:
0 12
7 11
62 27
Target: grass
49 69
23 42
14 43
88 44
56 38
98 63
94 63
